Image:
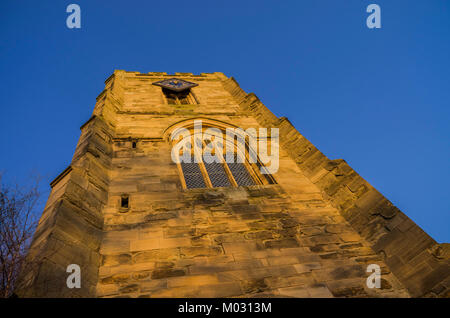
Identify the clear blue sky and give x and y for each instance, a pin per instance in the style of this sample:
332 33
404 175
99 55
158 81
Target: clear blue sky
380 99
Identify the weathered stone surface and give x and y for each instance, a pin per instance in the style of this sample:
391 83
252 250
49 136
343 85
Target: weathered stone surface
261 235
116 279
111 260
164 273
281 243
160 216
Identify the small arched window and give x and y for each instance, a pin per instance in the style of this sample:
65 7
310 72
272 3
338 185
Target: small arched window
177 91
185 97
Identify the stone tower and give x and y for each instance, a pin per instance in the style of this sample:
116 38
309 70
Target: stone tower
141 225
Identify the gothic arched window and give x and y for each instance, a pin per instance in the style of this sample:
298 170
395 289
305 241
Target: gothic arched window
206 160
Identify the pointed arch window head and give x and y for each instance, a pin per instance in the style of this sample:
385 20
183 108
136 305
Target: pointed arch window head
211 162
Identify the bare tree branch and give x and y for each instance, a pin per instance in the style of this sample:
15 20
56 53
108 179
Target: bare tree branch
18 220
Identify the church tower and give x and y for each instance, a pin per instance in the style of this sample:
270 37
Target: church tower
139 222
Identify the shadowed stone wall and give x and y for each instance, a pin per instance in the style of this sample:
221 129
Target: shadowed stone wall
70 230
421 264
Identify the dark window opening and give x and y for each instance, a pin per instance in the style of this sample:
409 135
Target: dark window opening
170 96
192 175
124 202
217 175
133 144
239 172
266 175
184 97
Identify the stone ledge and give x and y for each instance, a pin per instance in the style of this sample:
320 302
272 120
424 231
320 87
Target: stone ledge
61 176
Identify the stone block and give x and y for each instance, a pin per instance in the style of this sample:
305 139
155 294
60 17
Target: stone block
289 239
193 280
111 260
196 251
283 243
167 272
296 292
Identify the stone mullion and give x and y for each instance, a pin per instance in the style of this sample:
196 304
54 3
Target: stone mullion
199 154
